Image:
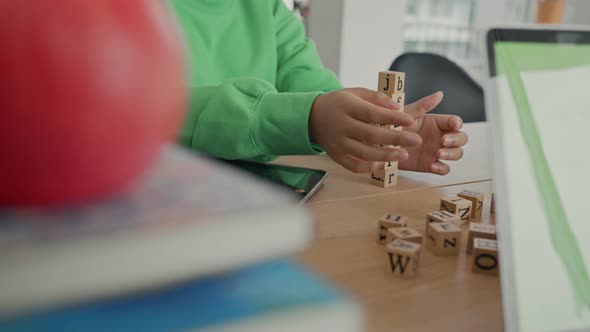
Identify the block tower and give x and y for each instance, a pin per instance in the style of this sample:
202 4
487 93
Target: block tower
391 83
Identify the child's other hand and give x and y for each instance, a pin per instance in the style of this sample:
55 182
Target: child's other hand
343 124
441 136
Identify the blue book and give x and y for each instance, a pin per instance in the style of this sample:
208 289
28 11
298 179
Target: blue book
279 295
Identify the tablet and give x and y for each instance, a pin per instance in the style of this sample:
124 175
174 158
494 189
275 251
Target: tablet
305 183
537 103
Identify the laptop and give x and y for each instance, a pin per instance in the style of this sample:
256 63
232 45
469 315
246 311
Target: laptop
538 106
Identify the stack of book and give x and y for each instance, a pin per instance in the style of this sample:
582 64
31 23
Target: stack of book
192 246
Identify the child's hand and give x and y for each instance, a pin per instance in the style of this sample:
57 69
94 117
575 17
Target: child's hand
343 124
441 136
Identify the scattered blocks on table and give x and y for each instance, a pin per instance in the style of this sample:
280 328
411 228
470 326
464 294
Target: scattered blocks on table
458 206
391 82
485 256
386 177
443 216
443 238
404 233
403 258
479 230
476 199
389 221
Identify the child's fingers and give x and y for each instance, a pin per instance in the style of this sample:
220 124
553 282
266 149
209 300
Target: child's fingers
377 98
450 154
454 139
448 122
367 152
372 134
440 168
419 108
370 113
355 165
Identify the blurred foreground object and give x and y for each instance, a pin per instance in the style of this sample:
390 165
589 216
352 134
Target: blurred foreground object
550 11
280 295
185 218
90 91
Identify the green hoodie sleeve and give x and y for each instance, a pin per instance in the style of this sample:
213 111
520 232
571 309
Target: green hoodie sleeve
255 119
247 118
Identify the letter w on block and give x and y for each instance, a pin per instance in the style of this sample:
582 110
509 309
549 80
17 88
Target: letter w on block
399 261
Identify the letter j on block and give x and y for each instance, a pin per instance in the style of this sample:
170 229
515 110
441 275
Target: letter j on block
391 82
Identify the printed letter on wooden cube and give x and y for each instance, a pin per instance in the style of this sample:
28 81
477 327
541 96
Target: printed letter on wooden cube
485 256
389 221
385 178
400 99
391 82
403 258
484 231
404 233
443 216
458 206
476 200
390 164
444 238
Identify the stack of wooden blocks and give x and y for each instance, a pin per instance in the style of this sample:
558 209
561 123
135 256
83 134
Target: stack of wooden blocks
443 236
391 83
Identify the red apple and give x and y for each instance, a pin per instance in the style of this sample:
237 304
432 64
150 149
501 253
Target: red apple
90 91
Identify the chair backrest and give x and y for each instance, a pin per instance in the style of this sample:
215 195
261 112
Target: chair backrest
427 73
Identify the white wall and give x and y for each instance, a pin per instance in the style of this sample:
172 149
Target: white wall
371 39
357 38
325 28
488 13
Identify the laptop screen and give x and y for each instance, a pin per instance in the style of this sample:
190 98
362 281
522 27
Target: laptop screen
539 107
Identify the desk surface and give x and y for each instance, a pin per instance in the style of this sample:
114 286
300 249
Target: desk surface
446 295
342 184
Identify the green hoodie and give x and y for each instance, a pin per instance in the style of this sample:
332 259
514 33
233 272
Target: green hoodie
254 77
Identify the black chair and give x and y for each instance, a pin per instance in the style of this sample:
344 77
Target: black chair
427 73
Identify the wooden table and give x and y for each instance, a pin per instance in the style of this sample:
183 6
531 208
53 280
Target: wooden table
446 295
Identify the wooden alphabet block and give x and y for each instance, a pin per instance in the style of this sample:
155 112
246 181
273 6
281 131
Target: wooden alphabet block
403 258
400 99
391 164
443 238
386 222
391 82
479 230
386 177
458 206
476 200
492 208
485 256
404 233
443 216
